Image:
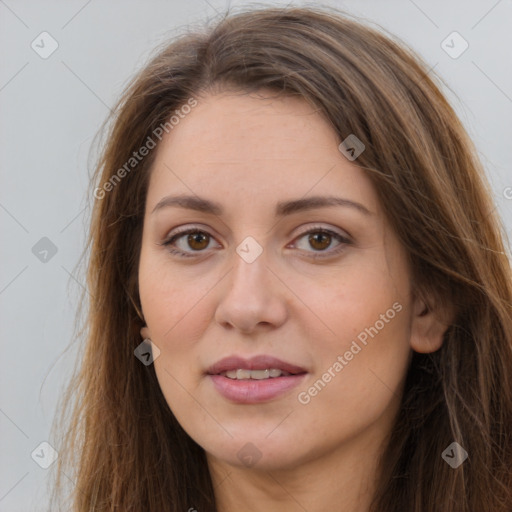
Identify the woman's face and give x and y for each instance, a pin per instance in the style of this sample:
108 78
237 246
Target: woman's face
322 287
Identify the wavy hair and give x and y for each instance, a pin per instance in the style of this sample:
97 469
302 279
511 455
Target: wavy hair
122 444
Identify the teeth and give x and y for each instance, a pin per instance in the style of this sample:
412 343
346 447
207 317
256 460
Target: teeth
242 374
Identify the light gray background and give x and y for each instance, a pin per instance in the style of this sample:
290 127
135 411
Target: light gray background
52 108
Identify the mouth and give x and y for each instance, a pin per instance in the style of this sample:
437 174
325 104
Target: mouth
267 373
255 380
240 368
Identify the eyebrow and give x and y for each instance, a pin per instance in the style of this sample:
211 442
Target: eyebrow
283 208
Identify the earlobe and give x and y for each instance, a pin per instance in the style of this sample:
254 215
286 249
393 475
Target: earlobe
428 327
144 332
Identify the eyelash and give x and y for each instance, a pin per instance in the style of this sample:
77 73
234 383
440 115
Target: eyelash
181 254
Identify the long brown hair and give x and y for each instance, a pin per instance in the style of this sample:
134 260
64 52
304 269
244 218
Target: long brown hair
124 449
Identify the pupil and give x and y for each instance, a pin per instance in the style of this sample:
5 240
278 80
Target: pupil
317 238
196 238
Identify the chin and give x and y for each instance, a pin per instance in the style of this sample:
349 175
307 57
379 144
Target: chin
257 453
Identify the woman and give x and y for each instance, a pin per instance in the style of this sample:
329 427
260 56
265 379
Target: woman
300 296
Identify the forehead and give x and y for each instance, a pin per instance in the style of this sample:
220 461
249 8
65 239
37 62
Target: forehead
242 125
257 145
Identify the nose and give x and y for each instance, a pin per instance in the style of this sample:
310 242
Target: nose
252 297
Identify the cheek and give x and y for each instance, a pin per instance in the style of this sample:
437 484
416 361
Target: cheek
340 309
177 314
173 302
356 385
361 343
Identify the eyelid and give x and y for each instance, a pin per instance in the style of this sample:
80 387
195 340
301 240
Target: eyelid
343 239
319 227
181 231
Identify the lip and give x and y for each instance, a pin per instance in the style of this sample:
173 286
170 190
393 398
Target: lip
260 362
253 391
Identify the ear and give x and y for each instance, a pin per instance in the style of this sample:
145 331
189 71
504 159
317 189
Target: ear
429 324
144 332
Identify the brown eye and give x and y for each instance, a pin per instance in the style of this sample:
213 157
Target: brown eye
193 242
319 240
197 240
187 242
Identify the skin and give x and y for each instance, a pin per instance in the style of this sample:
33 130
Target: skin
249 152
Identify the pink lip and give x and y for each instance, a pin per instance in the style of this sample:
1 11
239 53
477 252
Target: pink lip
261 362
252 391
